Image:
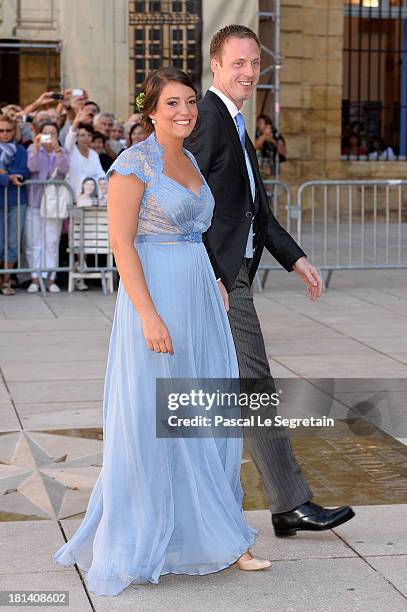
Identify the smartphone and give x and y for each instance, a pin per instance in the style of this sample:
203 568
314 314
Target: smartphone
45 138
77 92
57 96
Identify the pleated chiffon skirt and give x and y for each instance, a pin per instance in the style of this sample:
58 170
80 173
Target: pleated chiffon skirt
163 505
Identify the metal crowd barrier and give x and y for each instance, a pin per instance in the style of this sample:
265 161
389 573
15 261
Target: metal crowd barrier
90 254
287 215
341 225
354 224
27 237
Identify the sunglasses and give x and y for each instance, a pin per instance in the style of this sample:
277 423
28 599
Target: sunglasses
7 131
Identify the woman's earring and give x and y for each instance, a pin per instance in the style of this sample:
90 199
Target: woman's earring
152 120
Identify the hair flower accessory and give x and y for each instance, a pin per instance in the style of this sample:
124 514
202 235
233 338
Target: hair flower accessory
140 101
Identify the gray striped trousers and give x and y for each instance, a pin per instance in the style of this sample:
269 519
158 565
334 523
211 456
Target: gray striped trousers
284 483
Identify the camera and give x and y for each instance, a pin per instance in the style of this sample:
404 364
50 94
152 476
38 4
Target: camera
77 92
45 138
57 96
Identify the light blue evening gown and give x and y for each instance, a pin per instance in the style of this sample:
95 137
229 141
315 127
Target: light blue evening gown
163 505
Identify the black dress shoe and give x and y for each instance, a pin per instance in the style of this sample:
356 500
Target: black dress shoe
309 517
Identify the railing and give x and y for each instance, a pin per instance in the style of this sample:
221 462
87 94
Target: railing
90 254
341 225
30 227
286 214
354 224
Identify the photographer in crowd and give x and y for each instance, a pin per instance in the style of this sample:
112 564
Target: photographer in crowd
46 159
269 143
85 140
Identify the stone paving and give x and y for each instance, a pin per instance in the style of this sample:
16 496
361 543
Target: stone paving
52 359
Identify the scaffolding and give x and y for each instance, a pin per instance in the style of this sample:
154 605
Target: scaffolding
268 88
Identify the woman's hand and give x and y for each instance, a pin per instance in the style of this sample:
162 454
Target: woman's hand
156 334
37 142
224 294
55 144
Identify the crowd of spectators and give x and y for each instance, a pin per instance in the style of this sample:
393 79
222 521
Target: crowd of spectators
58 136
356 143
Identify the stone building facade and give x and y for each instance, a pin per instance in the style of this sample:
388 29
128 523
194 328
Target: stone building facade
94 46
312 43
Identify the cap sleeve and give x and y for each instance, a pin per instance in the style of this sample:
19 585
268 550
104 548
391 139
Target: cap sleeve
132 161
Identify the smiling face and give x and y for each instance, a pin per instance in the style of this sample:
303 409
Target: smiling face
104 125
89 187
102 184
117 131
176 112
236 73
137 134
84 137
98 145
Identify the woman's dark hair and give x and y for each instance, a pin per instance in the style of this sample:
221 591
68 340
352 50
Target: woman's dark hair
266 118
91 102
42 126
152 87
85 126
97 136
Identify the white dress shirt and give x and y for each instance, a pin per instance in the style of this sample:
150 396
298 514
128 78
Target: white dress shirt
233 110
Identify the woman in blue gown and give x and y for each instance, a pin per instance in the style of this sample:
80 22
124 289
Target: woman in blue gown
162 505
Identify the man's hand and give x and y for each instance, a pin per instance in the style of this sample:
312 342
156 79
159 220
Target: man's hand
43 100
82 116
310 276
224 294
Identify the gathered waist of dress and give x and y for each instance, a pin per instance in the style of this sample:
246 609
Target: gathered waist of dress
157 238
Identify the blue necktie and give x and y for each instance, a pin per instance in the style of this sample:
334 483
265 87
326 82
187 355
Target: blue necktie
242 129
242 136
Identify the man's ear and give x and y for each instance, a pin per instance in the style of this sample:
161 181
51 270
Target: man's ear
214 64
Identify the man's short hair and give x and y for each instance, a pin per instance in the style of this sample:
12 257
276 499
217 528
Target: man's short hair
103 114
91 102
219 39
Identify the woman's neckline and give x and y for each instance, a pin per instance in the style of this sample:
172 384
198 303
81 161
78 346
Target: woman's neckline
160 149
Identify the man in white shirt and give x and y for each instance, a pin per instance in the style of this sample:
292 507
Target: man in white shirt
242 225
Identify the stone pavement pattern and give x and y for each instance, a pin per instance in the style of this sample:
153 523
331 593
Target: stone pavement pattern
52 358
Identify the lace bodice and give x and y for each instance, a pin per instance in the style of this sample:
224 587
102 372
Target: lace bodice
167 206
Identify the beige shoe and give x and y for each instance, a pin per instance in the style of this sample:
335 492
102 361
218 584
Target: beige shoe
252 564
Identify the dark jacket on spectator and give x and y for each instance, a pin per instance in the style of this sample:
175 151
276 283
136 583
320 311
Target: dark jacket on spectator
18 165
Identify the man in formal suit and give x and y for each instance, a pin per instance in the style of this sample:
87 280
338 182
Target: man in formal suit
242 226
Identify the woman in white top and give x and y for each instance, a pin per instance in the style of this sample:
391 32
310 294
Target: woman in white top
83 160
84 163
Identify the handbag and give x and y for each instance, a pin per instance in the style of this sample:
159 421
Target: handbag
55 200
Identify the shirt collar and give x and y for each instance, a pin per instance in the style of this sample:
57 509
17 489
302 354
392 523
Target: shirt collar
231 106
